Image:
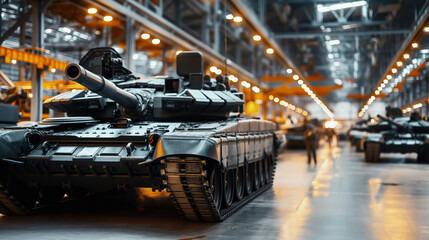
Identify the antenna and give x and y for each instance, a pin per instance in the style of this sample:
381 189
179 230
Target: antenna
226 82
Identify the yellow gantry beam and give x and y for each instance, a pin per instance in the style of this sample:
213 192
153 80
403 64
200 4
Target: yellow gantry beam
12 56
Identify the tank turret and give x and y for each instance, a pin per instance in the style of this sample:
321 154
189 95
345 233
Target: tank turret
113 92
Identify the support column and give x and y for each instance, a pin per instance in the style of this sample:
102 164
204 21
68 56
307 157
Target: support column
205 31
36 74
216 25
21 74
131 44
164 61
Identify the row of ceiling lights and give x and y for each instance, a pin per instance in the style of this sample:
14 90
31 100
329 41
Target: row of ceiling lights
312 94
255 37
106 18
270 51
415 106
234 79
285 104
394 70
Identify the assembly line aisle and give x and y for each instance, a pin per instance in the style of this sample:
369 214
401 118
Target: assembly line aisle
341 198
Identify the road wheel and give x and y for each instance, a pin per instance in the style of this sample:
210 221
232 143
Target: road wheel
240 183
257 175
249 178
372 152
228 188
215 184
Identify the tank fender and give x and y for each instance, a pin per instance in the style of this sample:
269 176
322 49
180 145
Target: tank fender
374 137
178 145
12 143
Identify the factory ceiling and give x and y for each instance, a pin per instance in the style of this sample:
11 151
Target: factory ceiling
346 42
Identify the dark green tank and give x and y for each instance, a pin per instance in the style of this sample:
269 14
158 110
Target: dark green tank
184 134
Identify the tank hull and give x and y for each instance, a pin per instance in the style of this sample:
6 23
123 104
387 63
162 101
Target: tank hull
102 157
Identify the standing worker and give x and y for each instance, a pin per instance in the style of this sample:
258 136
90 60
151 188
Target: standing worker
330 132
310 140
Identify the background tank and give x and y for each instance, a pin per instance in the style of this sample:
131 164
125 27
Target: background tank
407 135
173 133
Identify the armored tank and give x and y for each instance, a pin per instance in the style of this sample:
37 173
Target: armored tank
184 134
404 135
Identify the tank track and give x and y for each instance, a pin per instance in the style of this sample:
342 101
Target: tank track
186 180
9 205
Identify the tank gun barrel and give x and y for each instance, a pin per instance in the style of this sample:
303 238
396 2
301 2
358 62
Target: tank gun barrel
100 85
400 126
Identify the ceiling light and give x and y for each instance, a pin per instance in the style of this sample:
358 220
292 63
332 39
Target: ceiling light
271 97
289 71
399 63
13 61
406 56
257 38
338 6
295 77
389 77
276 99
414 45
145 36
385 81
380 88
108 18
92 10
256 89
238 19
213 69
218 71
300 82
229 16
383 85
270 50
394 70
53 70
156 41
426 29
333 42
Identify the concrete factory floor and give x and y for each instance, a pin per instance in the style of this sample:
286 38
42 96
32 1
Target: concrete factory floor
341 198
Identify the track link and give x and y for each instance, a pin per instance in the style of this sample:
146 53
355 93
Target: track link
186 180
9 205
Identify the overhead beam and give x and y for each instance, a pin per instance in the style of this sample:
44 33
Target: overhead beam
22 19
338 33
18 23
339 24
